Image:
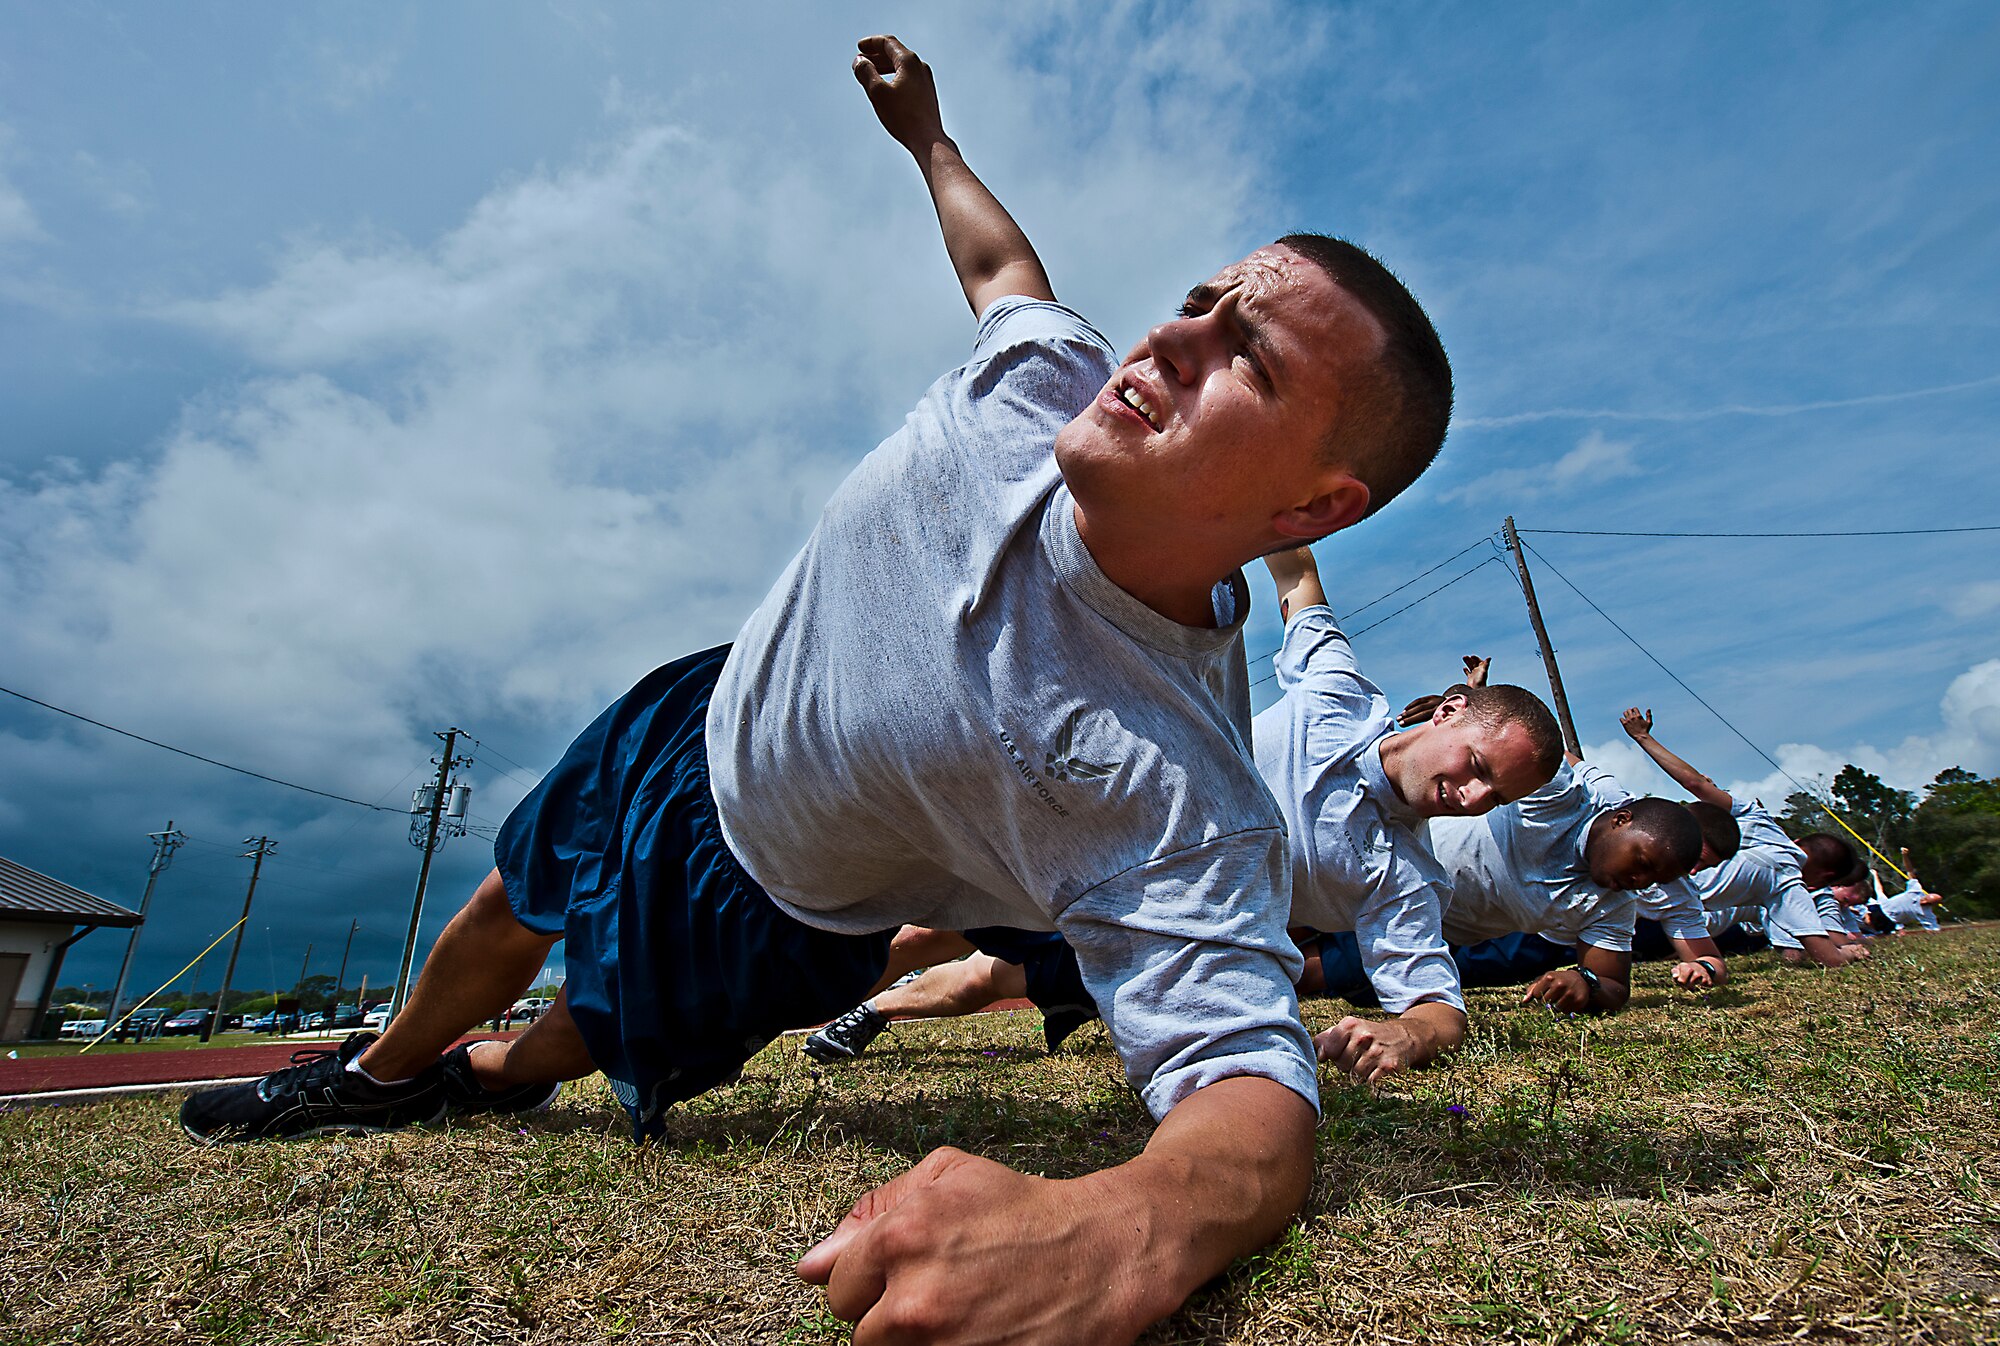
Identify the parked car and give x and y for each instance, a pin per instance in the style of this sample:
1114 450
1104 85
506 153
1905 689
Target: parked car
186 1022
376 1018
262 1023
530 1007
82 1028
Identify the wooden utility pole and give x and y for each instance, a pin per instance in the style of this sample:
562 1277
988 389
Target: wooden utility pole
164 845
430 844
1542 637
341 980
260 847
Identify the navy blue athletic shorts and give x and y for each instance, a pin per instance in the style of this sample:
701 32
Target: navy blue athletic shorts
680 967
1054 980
1509 960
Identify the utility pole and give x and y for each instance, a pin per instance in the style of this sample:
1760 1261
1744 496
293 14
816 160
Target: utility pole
260 847
341 980
1542 636
431 824
164 845
304 963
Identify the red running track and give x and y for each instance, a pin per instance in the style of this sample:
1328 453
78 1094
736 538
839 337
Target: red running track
50 1074
46 1074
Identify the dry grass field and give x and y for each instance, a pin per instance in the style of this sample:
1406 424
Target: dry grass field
1802 1155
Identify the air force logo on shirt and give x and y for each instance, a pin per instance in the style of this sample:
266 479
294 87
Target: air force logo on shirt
1064 764
1061 765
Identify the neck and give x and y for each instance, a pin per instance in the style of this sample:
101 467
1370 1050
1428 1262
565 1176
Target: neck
1394 748
1175 577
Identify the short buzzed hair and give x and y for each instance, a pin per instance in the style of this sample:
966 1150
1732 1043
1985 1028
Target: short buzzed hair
1505 704
1391 427
1833 855
1718 830
1671 825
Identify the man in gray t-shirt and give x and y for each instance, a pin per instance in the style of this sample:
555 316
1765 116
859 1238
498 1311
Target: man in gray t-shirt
1562 864
1002 683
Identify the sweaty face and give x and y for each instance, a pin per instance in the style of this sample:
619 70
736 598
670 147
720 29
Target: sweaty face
1215 421
1459 766
1623 858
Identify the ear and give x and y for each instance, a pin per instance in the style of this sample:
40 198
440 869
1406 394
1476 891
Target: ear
1452 705
1341 501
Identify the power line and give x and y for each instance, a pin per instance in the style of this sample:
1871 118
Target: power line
522 779
1406 607
1663 668
1866 532
1349 616
1803 787
241 771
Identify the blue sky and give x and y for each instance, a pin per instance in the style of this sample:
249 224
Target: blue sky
371 369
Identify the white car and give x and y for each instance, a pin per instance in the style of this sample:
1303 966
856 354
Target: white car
82 1028
377 1018
533 1007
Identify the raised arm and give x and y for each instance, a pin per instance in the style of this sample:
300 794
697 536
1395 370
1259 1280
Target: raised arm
991 255
1639 724
1477 667
1297 577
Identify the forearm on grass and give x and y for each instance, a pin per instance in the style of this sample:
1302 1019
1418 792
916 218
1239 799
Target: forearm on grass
1437 1028
1223 1176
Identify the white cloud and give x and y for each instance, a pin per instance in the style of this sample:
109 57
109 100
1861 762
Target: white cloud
1968 736
17 218
502 472
1967 602
1594 461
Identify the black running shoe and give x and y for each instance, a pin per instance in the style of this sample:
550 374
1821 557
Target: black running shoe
846 1037
1058 1024
316 1095
463 1093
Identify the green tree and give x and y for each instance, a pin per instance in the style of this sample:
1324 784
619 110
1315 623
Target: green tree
1876 810
1955 842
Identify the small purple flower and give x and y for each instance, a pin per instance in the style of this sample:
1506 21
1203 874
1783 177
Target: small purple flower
1456 1110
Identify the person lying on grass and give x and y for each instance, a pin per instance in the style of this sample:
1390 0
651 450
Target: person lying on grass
1766 873
1003 683
1550 879
1914 907
1355 794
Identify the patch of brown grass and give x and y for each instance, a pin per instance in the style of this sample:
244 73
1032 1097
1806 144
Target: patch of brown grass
1802 1155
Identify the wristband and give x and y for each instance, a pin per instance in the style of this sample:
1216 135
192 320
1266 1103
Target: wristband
1591 985
1714 970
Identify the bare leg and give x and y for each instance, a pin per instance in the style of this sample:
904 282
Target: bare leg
549 1051
479 966
916 946
953 989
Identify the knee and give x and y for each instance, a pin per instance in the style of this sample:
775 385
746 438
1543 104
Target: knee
489 911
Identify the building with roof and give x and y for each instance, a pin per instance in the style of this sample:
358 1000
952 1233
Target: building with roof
40 918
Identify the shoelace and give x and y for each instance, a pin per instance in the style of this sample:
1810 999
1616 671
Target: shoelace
304 1063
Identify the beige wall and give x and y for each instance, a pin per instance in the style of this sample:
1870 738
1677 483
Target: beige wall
39 942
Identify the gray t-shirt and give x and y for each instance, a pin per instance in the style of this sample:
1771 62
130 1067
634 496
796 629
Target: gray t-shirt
1522 867
945 714
1356 864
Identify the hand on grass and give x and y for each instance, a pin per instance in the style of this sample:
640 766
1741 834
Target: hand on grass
1693 976
1563 989
1369 1049
961 1249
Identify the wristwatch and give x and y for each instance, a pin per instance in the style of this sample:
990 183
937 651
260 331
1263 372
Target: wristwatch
1591 985
1714 970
